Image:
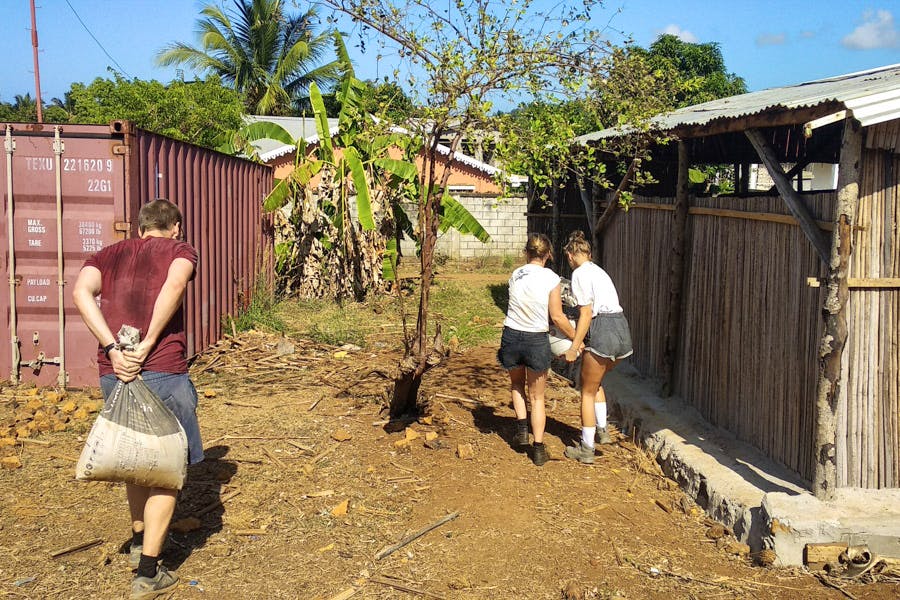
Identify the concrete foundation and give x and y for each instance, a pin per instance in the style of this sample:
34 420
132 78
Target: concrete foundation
766 505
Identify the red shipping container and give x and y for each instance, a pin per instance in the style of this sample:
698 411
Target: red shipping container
74 189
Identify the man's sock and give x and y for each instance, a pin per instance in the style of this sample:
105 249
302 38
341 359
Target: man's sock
600 413
137 538
522 425
587 436
147 566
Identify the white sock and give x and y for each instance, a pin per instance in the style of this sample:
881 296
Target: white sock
587 436
600 413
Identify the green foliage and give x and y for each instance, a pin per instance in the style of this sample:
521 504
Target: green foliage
201 112
536 140
700 70
266 54
23 109
712 179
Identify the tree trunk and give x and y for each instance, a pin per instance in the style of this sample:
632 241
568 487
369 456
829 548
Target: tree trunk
831 346
605 218
419 357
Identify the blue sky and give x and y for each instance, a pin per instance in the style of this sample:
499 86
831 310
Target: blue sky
769 43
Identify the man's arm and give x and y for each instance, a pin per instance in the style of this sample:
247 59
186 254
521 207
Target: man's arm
167 303
87 287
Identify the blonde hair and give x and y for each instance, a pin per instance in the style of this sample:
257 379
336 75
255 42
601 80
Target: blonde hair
538 246
577 244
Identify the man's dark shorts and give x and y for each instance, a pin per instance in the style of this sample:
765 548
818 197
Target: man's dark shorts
524 348
178 393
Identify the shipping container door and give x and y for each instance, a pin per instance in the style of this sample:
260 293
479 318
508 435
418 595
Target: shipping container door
91 181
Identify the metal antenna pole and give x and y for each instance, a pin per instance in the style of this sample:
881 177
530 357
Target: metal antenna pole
37 71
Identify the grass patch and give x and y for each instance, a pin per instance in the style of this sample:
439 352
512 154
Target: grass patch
470 310
468 307
260 313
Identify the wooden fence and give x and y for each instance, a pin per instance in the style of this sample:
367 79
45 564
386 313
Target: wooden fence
868 436
752 321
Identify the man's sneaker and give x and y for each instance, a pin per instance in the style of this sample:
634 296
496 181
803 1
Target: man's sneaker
521 438
581 453
143 588
134 556
602 438
539 455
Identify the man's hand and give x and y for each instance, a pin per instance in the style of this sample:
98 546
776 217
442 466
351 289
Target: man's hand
139 354
572 354
124 368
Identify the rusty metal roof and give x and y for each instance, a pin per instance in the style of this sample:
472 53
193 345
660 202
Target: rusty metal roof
871 97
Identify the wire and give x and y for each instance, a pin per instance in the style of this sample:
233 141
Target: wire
123 71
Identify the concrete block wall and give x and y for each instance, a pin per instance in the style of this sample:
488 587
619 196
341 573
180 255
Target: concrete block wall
503 218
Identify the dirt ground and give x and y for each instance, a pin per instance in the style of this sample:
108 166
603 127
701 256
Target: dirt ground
305 485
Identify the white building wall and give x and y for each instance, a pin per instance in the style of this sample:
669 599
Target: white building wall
503 218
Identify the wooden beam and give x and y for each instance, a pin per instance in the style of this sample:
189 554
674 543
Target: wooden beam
790 196
798 116
711 212
676 282
823 121
862 282
793 172
834 336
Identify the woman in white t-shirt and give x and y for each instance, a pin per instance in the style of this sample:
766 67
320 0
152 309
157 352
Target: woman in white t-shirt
604 331
534 293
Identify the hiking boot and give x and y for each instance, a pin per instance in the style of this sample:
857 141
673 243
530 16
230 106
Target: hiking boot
134 556
521 438
539 455
143 588
602 437
581 453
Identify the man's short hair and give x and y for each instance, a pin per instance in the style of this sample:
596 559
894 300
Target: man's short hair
159 215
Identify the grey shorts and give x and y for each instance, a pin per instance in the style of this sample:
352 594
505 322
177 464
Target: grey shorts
178 394
609 336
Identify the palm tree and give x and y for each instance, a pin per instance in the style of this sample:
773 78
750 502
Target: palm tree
25 107
268 56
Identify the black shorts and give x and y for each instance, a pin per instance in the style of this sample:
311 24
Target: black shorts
524 348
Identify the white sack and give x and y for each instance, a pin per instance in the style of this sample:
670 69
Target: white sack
135 439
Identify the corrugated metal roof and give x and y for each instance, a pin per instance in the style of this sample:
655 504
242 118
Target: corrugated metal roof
871 96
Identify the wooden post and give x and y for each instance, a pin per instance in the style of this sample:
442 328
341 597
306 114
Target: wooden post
597 196
745 178
676 282
555 241
787 193
835 335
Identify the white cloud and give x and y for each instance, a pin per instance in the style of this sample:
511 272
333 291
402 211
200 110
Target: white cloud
877 31
807 35
771 39
684 34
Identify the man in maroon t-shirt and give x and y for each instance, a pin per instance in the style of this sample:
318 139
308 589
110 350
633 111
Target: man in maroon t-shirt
141 282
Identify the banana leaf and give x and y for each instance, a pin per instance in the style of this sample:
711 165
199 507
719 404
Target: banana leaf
456 216
401 168
389 262
315 98
363 202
